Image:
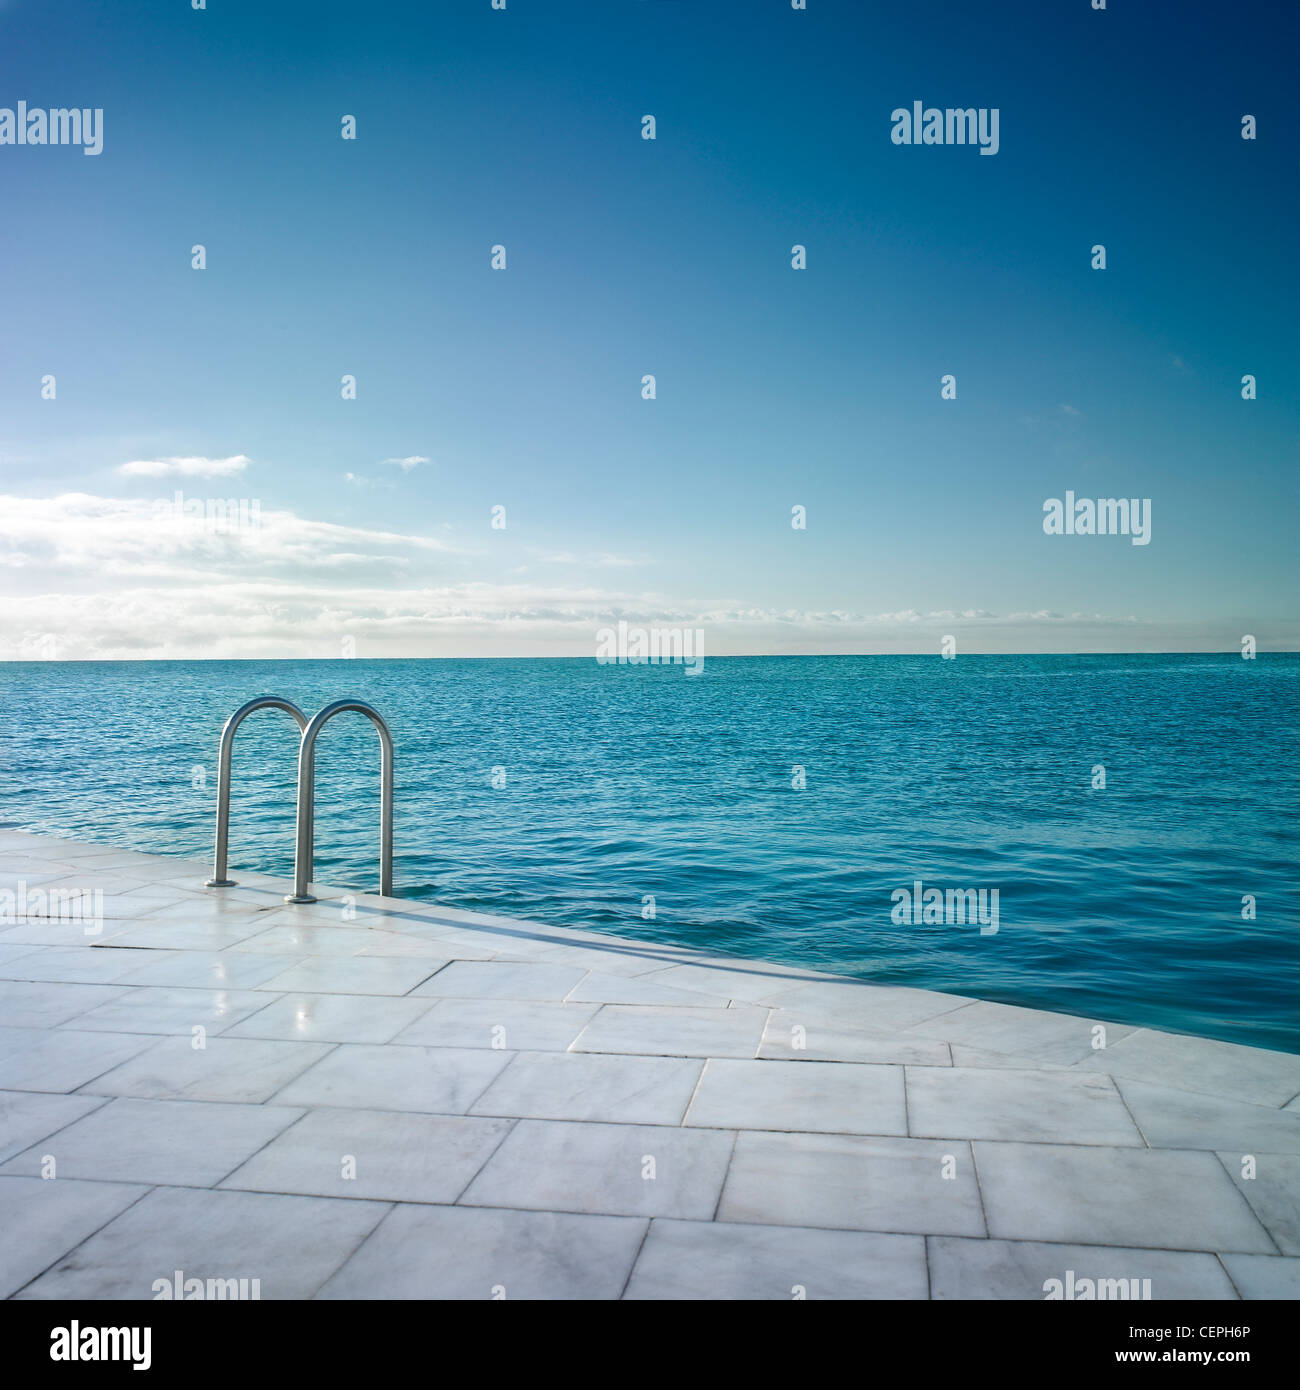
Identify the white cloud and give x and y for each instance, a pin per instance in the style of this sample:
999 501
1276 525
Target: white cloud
406 465
77 535
105 578
237 619
191 467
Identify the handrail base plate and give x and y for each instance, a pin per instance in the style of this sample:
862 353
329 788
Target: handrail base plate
299 898
220 883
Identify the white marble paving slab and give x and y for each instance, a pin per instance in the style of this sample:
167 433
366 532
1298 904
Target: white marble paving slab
66 1058
436 1080
608 961
469 979
301 939
44 1220
214 935
40 1004
11 953
527 1025
1264 1276
916 1186
43 931
28 1117
1045 1107
672 1031
615 1169
588 1086
212 909
499 1254
1076 1194
870 1006
352 1018
392 975
387 943
150 1009
382 1154
244 1070
730 983
87 965
1047 1037
1173 1119
713 1260
443 942
1271 1192
600 988
792 1035
291 1245
840 1097
174 1142
228 969
1001 1269
1202 1064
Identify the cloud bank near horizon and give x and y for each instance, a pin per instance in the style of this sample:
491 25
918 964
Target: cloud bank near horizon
100 578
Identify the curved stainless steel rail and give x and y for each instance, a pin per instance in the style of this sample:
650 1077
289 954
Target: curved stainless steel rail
219 879
302 868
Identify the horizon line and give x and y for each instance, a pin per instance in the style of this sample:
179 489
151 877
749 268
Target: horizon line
727 656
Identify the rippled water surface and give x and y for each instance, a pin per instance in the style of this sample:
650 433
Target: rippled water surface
622 782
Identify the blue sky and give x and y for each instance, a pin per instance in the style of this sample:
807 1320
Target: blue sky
522 387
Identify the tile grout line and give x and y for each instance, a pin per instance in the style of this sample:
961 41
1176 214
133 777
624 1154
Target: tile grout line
1227 1273
331 1049
492 1081
726 1175
248 1158
1128 1109
979 1189
79 1090
631 1269
54 1133
695 1090
356 1249
1250 1206
511 1126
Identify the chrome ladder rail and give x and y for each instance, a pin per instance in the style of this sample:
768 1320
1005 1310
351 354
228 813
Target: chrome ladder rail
306 829
219 879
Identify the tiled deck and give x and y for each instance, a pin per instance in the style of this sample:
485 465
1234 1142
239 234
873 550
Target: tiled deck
418 1102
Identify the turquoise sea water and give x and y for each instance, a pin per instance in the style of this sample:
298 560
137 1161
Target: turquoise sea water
621 782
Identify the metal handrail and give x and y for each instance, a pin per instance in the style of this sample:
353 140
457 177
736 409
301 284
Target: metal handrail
305 850
219 879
